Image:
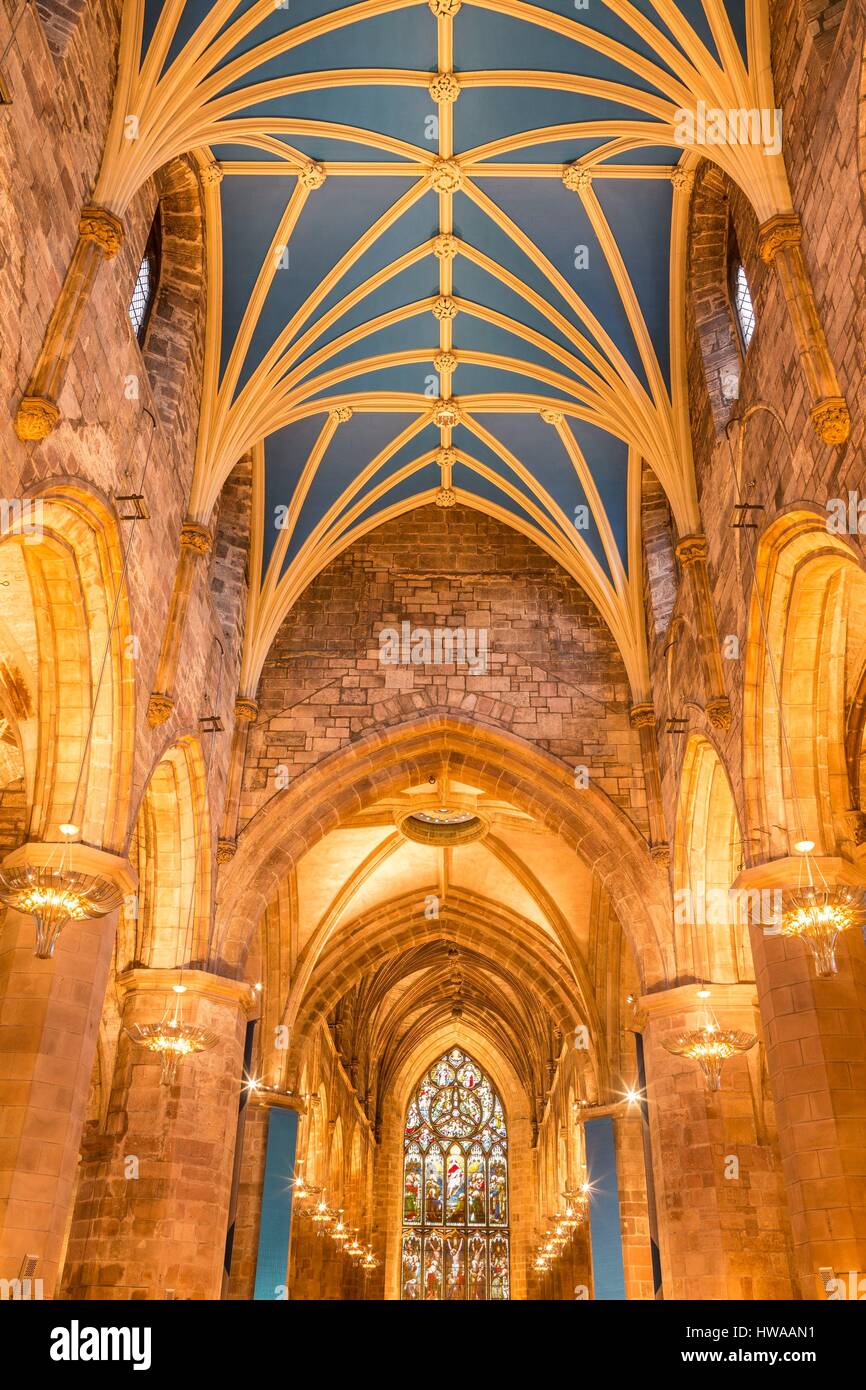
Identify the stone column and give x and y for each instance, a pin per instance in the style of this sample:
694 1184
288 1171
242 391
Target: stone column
692 552
100 236
722 1217
49 1020
780 243
643 718
816 1057
633 1204
195 542
151 1216
242 1278
246 712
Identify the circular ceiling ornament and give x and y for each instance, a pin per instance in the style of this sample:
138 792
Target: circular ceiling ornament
445 307
312 175
441 824
444 9
446 414
446 176
445 362
446 497
576 178
444 87
446 457
445 246
342 414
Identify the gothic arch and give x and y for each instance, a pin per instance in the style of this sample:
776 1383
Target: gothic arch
804 639
63 560
712 946
171 849
378 764
173 342
389 1167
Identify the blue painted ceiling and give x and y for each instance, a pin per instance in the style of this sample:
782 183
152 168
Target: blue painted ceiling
334 217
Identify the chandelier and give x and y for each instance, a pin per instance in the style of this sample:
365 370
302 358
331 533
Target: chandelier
172 1039
54 894
321 1215
369 1261
340 1232
576 1207
355 1249
709 1047
816 912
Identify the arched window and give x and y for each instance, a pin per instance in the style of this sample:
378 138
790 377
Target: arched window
741 295
455 1186
146 281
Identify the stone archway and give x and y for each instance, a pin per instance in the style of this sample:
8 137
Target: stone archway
342 784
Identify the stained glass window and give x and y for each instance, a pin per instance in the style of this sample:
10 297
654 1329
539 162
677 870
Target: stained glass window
455 1186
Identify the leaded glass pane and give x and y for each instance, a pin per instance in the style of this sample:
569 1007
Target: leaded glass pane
455 1186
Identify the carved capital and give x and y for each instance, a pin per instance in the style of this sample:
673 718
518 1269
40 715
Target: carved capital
159 709
194 536
312 175
225 851
692 548
576 177
639 716
35 418
445 362
777 234
446 497
211 175
246 711
661 854
444 87
446 176
857 821
445 246
831 420
103 229
718 712
683 180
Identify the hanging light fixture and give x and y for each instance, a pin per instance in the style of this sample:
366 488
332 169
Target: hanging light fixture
576 1206
369 1261
816 912
340 1233
300 1189
355 1249
54 893
709 1047
172 1039
322 1216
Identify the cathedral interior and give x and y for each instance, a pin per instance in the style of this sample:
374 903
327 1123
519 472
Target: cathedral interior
432 650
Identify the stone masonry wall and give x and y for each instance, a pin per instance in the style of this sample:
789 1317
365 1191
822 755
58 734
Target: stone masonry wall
553 675
783 463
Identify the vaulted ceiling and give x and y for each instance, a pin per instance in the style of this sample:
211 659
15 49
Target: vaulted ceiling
445 261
